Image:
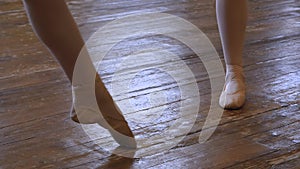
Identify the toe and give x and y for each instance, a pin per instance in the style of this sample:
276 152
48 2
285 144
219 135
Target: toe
123 136
232 101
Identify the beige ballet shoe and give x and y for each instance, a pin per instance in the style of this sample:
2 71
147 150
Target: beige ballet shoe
233 95
115 123
119 128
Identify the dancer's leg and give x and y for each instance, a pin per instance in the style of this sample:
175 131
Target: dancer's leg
56 28
232 18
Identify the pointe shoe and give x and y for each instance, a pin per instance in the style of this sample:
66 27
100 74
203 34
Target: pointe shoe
233 95
115 123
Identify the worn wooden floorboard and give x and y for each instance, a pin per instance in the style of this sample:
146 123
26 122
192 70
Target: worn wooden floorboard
35 129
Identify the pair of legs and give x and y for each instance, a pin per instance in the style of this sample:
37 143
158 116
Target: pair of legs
56 28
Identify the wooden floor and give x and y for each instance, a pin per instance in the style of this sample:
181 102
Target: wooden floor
36 132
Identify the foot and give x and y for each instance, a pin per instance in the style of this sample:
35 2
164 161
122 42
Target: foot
112 119
234 92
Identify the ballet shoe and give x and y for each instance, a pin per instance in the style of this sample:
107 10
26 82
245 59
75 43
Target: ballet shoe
233 95
115 123
118 128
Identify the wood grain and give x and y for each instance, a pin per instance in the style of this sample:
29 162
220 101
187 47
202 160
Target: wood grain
36 131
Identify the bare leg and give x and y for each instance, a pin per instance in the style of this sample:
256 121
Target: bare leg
56 28
232 18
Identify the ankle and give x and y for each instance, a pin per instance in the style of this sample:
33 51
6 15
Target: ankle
234 68
234 71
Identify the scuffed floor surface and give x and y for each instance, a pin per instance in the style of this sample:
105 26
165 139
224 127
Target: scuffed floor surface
36 132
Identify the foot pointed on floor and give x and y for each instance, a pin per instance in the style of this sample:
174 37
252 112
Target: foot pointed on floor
110 118
233 95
